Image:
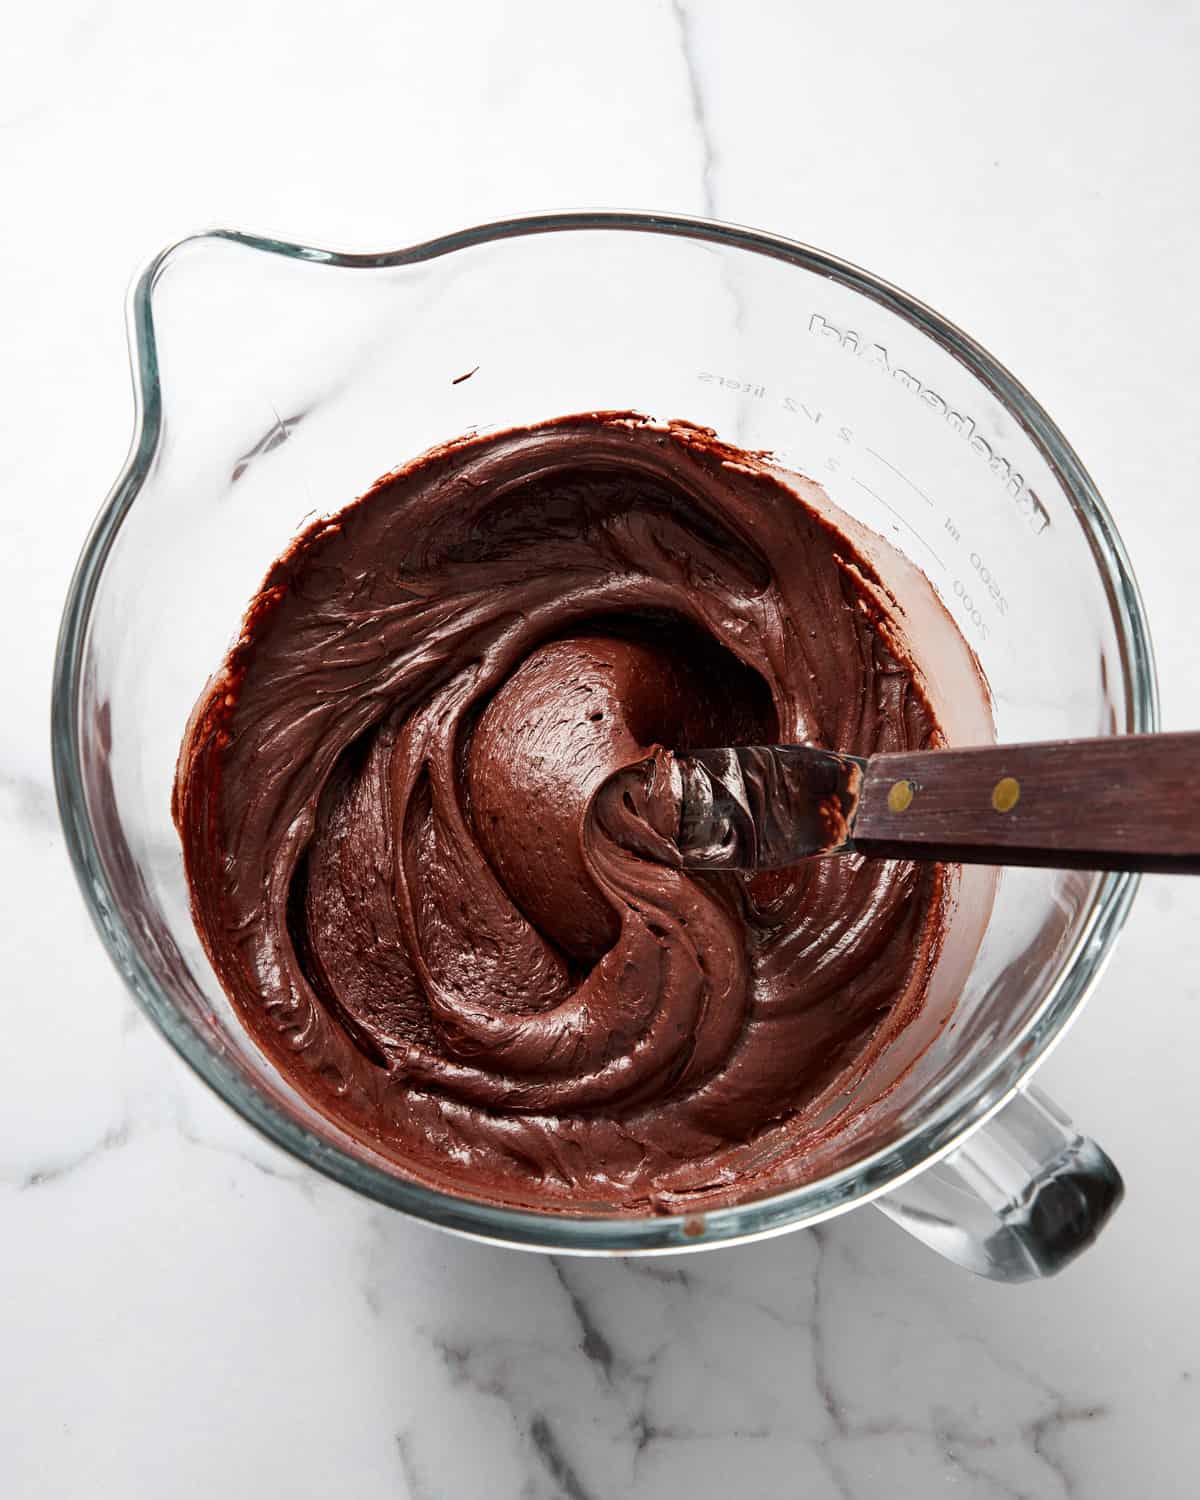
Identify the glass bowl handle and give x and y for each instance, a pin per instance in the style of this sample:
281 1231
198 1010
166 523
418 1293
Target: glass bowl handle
1018 1200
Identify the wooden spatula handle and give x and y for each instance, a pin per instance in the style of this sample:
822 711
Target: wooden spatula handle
1125 802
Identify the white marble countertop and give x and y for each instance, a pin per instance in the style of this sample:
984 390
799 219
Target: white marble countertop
186 1312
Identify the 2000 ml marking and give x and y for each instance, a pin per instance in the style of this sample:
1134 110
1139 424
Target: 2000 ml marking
962 426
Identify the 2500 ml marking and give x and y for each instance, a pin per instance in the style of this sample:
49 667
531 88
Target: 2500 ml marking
988 580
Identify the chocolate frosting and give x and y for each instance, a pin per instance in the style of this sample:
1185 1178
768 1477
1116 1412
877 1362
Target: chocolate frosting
385 798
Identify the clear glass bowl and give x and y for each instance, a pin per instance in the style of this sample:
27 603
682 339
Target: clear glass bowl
274 381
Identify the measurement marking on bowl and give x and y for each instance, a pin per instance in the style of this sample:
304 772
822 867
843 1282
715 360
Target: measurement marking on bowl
900 474
875 495
990 583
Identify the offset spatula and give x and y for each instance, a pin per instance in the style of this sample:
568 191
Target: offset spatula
1120 803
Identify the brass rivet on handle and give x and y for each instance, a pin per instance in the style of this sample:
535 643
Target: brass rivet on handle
900 796
1006 794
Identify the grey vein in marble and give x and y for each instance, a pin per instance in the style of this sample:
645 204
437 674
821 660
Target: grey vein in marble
821 1375
111 1140
696 103
593 1342
414 1479
274 437
1041 1433
548 1448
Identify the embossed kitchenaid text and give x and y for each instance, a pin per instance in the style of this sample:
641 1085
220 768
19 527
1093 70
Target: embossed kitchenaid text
959 423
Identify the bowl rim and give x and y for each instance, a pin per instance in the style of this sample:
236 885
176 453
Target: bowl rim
962 1112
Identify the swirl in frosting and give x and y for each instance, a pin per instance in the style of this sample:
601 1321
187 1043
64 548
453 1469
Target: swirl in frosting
385 802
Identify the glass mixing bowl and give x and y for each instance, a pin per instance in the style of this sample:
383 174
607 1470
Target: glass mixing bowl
274 381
